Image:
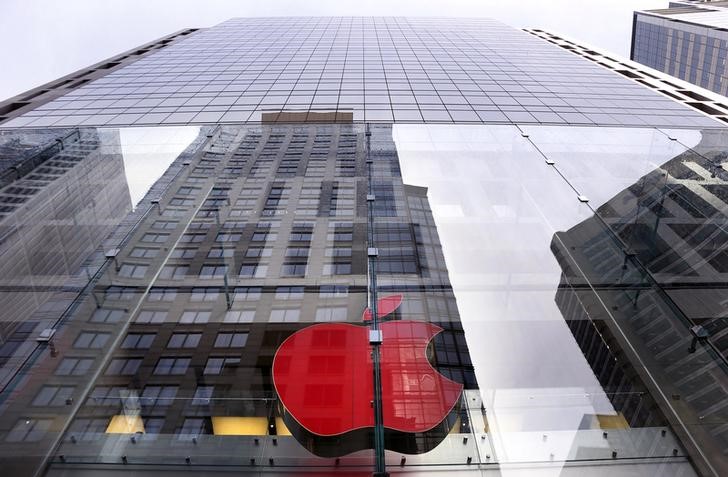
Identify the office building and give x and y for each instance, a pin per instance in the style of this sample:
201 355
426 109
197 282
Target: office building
257 187
688 40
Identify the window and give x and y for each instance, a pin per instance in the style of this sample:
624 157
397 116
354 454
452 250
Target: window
220 192
180 201
239 316
331 314
164 225
194 316
246 202
333 291
397 266
9 347
154 238
119 293
162 294
91 340
239 212
106 395
289 293
250 191
151 316
220 253
138 341
192 238
249 270
193 427
231 340
297 251
88 429
172 212
144 252
264 237
293 270
269 224
412 306
184 340
174 272
28 430
186 190
203 395
204 213
106 315
204 294
337 269
340 237
275 202
300 236
183 253
152 427
171 366
227 237
338 252
74 366
158 396
124 366
247 293
213 271
385 205
387 233
233 225
53 396
285 315
221 365
200 225
258 252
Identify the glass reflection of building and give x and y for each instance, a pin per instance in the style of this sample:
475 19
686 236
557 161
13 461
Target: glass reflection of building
261 232
289 173
60 195
656 254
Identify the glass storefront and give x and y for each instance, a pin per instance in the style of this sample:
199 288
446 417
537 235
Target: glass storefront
535 301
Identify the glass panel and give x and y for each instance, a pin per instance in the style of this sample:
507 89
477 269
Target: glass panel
73 200
540 245
217 307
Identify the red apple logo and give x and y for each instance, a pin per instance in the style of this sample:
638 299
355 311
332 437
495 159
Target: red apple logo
323 377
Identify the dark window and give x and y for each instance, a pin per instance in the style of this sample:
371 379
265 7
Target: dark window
172 366
231 340
184 340
124 366
138 341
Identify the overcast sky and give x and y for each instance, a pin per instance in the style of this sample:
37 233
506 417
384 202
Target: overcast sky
41 40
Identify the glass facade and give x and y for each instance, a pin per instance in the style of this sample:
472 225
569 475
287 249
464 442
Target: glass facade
311 292
433 70
691 46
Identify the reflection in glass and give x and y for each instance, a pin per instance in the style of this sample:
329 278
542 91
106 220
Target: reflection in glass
151 275
553 375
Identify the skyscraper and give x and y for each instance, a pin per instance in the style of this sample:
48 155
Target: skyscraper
688 40
335 245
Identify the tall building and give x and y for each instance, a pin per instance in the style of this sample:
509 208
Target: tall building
356 245
688 40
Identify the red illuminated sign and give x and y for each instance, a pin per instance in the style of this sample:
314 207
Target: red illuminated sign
323 377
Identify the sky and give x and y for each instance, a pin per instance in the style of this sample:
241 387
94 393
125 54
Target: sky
42 40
